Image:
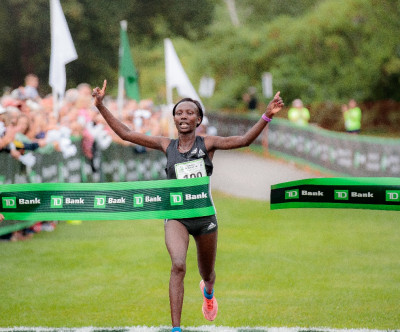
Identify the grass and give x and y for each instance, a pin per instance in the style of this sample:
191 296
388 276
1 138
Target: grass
299 267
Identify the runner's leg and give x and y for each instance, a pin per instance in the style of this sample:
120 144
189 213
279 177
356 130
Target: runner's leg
177 242
206 255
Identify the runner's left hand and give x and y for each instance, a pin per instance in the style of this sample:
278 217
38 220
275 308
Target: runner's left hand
274 106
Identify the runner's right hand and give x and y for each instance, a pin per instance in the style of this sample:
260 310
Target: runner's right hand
99 94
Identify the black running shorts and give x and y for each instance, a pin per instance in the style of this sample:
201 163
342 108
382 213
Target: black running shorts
199 225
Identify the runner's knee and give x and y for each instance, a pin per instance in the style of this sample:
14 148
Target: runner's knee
178 267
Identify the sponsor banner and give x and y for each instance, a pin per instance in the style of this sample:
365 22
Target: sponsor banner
107 201
353 193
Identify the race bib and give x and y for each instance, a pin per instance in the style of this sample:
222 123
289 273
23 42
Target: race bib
190 169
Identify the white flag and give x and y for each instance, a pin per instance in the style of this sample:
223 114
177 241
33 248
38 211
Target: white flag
62 48
176 76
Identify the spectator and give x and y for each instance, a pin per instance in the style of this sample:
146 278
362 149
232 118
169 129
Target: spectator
142 125
7 134
84 90
38 126
298 114
352 117
18 93
250 98
155 123
47 104
21 140
30 89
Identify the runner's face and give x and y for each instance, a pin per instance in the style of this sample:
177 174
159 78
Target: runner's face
186 117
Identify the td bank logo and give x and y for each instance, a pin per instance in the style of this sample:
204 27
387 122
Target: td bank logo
176 198
342 195
56 202
292 194
138 200
99 202
392 195
9 202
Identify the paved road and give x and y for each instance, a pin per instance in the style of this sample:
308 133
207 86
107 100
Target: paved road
247 175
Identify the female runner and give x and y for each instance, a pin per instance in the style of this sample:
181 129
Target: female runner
185 154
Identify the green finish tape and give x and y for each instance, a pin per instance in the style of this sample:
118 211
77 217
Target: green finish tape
352 193
107 201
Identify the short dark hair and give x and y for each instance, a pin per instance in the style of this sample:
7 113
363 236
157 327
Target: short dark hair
199 108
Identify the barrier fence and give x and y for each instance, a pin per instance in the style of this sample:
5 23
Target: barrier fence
116 164
342 154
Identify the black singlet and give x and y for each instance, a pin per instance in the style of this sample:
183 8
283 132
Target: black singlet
199 225
198 151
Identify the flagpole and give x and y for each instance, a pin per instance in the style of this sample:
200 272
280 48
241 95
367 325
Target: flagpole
120 98
55 103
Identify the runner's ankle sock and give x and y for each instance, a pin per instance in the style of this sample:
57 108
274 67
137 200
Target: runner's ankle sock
208 296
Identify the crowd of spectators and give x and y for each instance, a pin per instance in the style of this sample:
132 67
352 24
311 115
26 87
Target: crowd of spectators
30 122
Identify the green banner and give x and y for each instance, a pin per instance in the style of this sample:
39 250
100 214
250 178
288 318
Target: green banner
353 193
107 201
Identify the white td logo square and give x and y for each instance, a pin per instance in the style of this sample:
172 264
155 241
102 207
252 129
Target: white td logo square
9 202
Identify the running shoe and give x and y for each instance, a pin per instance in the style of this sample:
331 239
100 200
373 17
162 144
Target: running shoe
210 307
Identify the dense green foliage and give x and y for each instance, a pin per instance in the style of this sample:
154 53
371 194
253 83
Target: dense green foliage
317 50
337 50
318 268
94 26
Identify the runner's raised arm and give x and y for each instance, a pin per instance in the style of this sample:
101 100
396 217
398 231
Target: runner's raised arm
123 131
233 142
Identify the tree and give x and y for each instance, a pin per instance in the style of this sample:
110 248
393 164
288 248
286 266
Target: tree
258 12
94 26
316 56
156 20
24 38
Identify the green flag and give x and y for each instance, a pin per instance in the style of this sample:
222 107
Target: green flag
127 68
